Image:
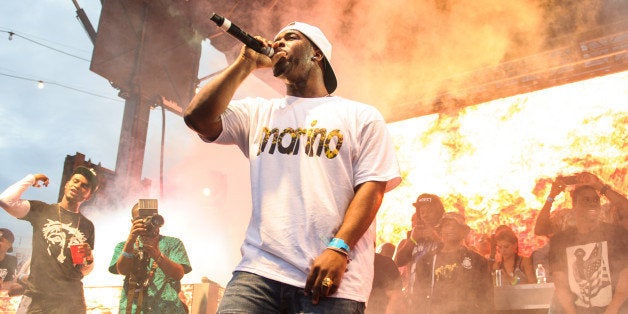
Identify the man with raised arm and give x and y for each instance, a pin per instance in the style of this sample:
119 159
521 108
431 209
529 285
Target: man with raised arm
54 284
320 165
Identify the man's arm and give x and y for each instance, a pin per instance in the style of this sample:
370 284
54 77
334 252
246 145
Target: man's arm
203 113
124 264
358 217
10 198
563 293
21 280
419 233
619 201
403 256
361 211
170 268
621 293
543 225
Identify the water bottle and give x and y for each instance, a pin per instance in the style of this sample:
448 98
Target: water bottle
498 278
540 274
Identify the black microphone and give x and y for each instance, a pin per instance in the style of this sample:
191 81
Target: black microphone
241 35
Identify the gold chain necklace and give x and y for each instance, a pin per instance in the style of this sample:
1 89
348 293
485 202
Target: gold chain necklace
78 221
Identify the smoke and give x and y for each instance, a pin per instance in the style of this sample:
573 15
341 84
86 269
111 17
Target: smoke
411 58
394 54
398 56
496 158
206 204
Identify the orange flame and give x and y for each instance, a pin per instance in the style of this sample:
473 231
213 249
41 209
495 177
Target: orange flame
495 162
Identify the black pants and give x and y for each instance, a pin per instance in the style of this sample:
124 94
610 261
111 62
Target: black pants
56 305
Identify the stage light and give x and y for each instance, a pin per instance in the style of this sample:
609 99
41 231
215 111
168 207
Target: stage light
207 192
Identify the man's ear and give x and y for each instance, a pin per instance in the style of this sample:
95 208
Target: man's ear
318 56
89 196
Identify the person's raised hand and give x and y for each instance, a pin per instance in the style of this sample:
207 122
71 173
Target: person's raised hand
151 246
40 177
589 179
558 186
256 59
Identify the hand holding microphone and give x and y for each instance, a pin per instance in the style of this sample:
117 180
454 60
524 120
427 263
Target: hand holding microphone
241 35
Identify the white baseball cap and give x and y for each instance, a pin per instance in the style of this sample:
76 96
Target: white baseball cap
314 34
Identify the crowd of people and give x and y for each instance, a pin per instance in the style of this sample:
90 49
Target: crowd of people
437 268
63 240
585 257
320 165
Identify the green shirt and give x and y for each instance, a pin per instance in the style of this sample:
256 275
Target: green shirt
162 295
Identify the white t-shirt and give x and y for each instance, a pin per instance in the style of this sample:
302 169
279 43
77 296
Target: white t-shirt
306 156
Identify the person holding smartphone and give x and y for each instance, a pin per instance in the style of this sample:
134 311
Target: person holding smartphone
422 239
589 261
547 224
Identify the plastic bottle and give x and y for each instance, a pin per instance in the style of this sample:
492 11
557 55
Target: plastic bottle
498 278
540 274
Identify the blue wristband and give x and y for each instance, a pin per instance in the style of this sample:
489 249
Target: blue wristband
127 255
339 243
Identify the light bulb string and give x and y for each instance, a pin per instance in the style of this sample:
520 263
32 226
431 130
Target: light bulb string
14 34
60 85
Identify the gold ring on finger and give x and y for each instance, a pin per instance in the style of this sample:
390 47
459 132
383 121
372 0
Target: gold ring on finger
327 282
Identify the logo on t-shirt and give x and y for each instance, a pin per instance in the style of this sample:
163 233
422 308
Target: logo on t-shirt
589 276
445 272
289 140
60 235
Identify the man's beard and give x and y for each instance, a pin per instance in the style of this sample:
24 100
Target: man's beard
280 67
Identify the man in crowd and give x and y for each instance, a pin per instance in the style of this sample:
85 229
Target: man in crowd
452 279
422 239
386 296
8 263
54 283
547 224
589 261
320 165
622 218
152 264
21 279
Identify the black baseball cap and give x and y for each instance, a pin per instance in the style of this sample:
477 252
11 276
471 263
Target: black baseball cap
90 175
7 234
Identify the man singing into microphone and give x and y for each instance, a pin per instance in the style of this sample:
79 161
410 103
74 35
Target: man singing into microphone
319 164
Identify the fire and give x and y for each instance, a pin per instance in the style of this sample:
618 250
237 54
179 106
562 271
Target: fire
495 162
